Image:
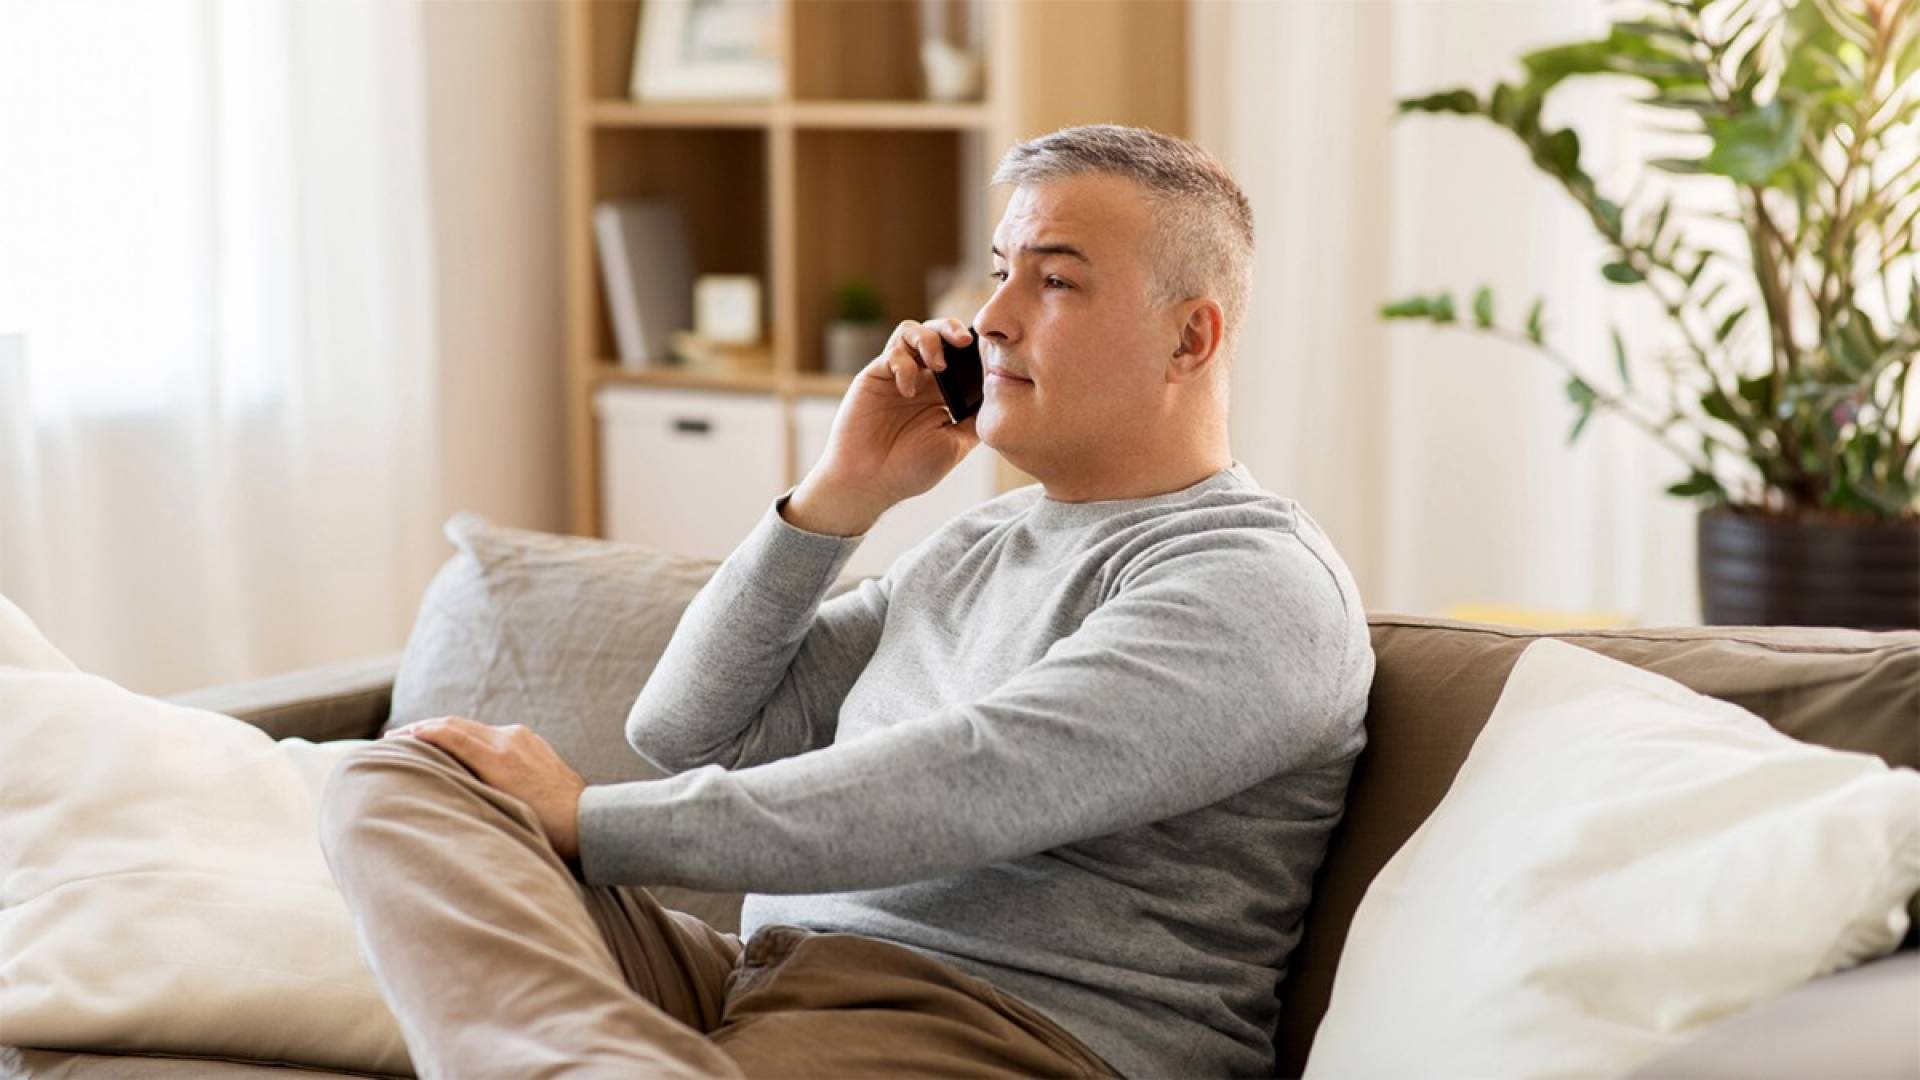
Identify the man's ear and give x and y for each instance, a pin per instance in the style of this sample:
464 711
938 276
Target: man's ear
1203 328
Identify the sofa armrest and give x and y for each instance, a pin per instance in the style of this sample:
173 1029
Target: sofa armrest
1857 1023
337 701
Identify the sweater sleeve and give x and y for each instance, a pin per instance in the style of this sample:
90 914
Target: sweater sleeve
1207 671
759 665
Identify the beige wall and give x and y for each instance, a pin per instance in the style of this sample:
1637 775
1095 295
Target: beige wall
493 159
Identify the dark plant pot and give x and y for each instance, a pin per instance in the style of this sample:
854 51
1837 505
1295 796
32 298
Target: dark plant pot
1763 570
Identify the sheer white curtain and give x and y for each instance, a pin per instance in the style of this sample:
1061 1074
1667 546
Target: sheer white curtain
217 425
1436 460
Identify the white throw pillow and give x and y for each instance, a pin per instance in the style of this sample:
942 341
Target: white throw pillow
1620 862
161 883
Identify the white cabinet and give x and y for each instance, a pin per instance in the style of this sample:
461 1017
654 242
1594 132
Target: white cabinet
691 471
688 471
972 482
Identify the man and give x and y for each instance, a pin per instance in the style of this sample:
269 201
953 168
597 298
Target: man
1047 798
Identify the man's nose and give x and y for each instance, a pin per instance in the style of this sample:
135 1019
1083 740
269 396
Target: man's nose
994 320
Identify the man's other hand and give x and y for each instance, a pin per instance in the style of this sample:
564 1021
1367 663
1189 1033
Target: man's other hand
518 762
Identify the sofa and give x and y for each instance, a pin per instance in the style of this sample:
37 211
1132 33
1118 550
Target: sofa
1435 685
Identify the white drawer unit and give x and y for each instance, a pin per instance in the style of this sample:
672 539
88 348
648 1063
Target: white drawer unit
688 471
972 482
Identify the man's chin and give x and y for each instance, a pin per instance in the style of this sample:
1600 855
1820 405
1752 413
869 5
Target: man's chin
992 425
1003 434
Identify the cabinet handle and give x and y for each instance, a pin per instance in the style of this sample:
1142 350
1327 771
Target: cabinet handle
690 426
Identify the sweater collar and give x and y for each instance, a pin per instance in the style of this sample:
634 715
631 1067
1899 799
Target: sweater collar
1050 513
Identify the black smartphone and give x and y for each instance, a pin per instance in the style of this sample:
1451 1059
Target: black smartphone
961 384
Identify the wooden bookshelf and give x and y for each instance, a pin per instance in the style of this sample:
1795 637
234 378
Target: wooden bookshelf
845 171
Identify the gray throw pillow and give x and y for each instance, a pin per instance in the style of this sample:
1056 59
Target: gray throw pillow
555 632
558 633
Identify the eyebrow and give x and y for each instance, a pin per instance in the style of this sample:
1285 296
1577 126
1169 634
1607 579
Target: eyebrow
1049 249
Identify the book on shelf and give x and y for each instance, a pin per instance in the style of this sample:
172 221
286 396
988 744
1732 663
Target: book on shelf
647 274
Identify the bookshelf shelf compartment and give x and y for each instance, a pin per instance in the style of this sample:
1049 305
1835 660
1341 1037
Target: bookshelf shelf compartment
726 222
849 170
858 50
883 205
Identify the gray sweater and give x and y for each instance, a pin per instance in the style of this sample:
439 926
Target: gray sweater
1089 752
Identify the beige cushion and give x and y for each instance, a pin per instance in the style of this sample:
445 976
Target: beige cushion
1435 684
558 633
162 888
1620 862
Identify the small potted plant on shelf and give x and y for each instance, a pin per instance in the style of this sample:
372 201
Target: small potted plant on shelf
1786 394
858 331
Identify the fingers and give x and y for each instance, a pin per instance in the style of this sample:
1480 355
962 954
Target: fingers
452 740
921 346
906 371
459 722
457 735
933 336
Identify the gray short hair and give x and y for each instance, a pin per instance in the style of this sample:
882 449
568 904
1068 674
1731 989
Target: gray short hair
1203 245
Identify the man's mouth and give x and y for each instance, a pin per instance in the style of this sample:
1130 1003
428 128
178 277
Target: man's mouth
996 373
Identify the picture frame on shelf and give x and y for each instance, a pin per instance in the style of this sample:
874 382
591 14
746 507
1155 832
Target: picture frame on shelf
707 50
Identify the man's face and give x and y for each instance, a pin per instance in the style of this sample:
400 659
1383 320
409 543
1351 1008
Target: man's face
1075 358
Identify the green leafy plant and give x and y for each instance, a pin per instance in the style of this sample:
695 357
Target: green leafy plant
857 299
1787 391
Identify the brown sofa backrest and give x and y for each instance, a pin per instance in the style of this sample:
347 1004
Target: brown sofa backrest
1436 682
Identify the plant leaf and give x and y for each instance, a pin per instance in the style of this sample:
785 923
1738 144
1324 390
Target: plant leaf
1841 348
1706 302
1659 223
1609 212
1755 146
1483 307
1548 66
1581 392
1621 273
1727 324
1696 484
1698 102
1584 398
1620 357
1537 330
1715 404
1676 34
1758 391
1447 101
1559 153
1699 266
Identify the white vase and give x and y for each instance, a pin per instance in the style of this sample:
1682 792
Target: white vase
952 73
851 346
951 48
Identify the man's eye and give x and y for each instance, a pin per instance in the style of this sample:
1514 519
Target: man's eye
1052 282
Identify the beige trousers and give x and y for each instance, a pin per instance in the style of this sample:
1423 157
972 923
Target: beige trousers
499 962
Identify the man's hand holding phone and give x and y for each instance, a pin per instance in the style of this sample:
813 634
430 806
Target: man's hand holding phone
891 440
